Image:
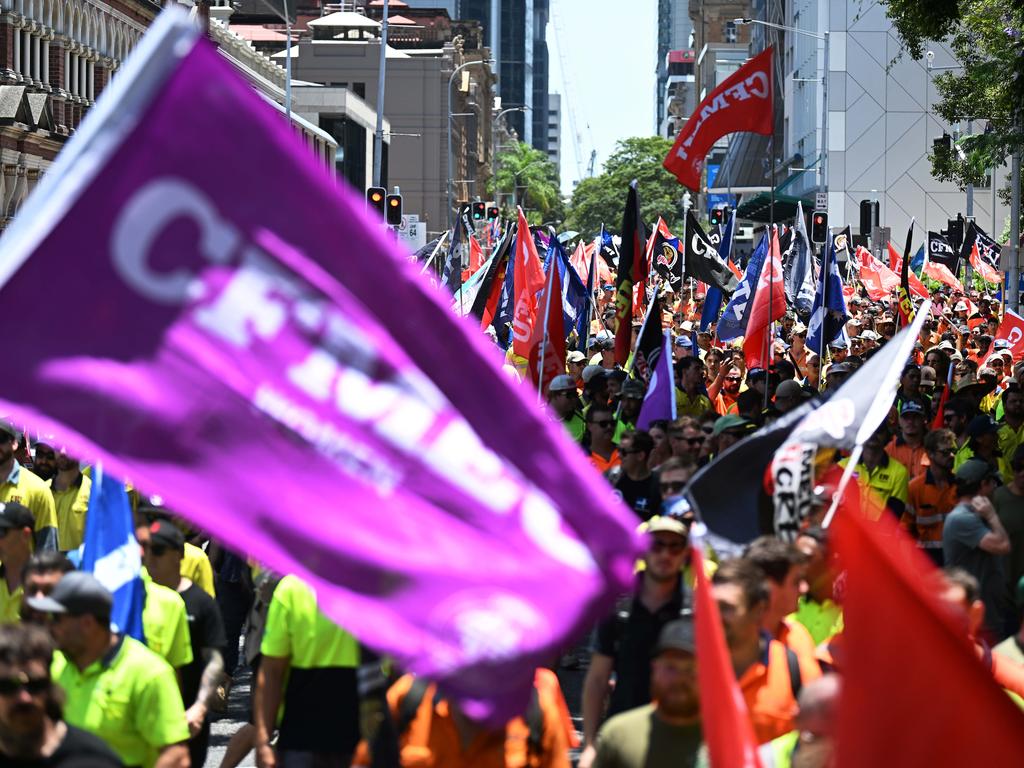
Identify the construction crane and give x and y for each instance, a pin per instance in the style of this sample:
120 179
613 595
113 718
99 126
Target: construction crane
590 165
568 96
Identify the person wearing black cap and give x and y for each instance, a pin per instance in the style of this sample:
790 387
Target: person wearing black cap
15 550
973 538
33 733
116 688
982 441
200 677
668 732
631 398
564 402
17 483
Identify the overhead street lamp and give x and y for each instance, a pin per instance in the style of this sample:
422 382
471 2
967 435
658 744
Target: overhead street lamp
494 144
515 179
451 172
283 14
824 37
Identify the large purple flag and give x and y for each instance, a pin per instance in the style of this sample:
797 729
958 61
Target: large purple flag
660 400
225 326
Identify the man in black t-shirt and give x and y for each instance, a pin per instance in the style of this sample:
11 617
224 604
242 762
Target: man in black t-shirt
32 735
633 480
626 639
199 679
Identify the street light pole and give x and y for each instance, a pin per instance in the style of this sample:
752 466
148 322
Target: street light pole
378 135
451 172
494 146
825 38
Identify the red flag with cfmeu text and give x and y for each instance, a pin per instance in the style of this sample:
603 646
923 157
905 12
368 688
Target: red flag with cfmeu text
527 280
936 705
743 102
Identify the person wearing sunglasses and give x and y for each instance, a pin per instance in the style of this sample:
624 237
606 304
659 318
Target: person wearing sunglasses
15 549
32 728
604 454
633 480
116 687
626 640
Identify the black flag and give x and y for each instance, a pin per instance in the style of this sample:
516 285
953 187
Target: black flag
492 281
729 493
941 252
649 343
702 259
988 249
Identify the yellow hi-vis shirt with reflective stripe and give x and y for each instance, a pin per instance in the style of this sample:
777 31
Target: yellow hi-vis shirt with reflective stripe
165 623
129 698
71 504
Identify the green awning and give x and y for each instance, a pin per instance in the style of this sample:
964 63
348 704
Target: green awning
759 207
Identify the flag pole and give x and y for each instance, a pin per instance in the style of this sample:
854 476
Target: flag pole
851 467
824 308
433 255
547 313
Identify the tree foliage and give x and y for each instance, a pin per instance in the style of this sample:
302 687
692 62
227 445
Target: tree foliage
527 177
600 199
986 38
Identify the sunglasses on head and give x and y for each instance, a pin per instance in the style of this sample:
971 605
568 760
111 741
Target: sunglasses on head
12 686
157 550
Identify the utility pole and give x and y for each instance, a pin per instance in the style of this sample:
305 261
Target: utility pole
378 135
1013 294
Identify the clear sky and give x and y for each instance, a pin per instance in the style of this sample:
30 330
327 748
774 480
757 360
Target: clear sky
611 51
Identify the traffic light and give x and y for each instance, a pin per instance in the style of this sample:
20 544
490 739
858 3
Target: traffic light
479 211
868 216
716 217
492 212
955 231
394 210
375 199
819 227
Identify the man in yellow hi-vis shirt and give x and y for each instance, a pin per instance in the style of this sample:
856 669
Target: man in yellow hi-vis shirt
19 484
116 688
318 660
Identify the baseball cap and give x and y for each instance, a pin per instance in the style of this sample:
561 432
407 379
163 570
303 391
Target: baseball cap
837 344
7 429
840 368
789 388
666 524
728 422
77 593
974 471
960 307
927 375
562 383
910 407
981 425
683 341
592 372
1001 344
678 635
14 515
632 389
576 357
165 533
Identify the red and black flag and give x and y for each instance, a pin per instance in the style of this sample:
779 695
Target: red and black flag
906 304
632 270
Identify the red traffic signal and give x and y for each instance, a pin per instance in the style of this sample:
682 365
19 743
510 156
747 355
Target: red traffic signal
492 213
479 211
394 210
375 199
715 217
819 227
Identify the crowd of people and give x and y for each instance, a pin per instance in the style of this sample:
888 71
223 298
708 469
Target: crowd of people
947 463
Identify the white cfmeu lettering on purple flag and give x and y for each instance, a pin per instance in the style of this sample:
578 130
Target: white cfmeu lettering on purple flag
331 367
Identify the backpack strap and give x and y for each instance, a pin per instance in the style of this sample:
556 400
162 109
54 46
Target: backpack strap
796 682
534 718
410 704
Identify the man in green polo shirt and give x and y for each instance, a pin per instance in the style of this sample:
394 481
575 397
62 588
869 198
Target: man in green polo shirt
116 688
70 489
318 659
